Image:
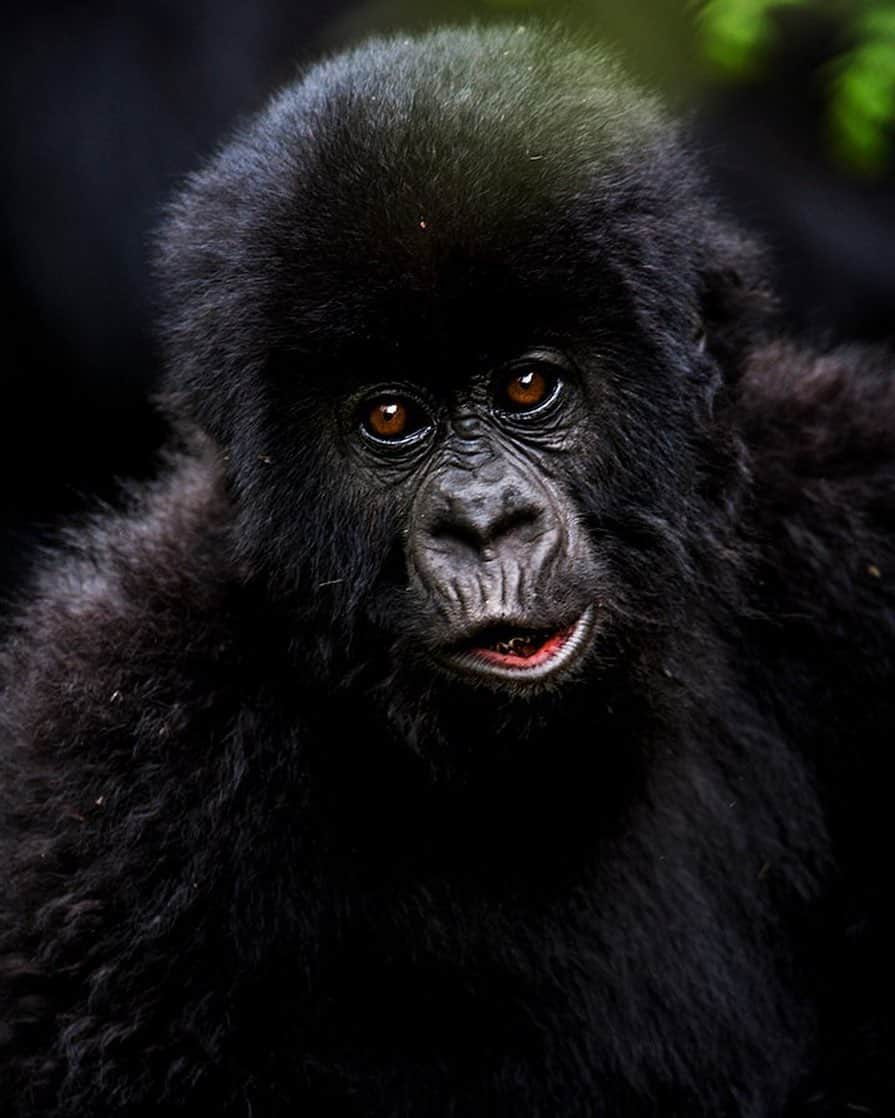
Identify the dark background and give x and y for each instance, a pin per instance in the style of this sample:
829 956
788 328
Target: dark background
106 106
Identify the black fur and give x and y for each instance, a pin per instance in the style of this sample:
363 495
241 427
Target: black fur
260 856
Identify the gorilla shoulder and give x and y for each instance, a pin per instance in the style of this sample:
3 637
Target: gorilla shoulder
118 624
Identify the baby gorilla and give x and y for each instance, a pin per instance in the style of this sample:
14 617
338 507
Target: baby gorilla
486 711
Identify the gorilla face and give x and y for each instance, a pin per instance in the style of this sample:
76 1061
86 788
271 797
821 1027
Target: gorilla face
500 571
473 401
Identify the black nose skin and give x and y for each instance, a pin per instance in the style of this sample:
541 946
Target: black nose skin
483 544
483 520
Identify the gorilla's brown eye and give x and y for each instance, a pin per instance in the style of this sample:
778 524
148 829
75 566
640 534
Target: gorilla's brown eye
526 390
393 419
387 419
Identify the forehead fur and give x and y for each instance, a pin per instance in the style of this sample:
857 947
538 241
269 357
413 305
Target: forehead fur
460 120
415 167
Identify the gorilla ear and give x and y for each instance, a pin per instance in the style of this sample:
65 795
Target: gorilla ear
739 309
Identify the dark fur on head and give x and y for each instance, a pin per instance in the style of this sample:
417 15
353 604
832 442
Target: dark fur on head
261 854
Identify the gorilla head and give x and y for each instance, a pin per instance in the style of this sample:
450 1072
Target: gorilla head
443 306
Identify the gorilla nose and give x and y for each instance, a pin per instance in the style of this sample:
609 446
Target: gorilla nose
485 520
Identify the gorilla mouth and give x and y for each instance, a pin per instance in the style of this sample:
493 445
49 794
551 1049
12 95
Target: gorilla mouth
511 651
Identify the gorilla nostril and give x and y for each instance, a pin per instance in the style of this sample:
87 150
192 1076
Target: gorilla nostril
455 532
515 521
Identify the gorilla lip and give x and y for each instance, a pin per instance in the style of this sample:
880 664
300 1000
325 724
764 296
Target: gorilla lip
522 649
512 651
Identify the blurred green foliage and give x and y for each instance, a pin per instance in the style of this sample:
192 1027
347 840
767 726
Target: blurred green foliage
738 37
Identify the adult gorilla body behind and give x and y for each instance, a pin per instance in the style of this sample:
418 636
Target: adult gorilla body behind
485 713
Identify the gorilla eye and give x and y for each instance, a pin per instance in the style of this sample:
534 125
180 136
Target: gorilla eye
393 419
527 390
